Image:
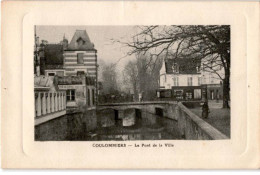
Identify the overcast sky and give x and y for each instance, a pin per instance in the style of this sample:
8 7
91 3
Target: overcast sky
99 35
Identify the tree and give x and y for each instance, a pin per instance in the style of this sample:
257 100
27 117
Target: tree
131 77
109 78
211 44
142 75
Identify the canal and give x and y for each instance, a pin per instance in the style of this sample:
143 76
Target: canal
107 125
133 125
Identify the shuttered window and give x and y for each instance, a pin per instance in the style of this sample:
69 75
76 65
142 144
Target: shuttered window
80 58
189 81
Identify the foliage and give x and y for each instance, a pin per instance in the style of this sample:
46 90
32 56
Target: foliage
211 44
142 75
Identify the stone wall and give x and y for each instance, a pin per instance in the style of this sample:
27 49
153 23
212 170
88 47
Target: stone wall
192 127
186 124
73 126
106 118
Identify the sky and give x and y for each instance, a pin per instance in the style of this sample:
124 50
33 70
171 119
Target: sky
99 35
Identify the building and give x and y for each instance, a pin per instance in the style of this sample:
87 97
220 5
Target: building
80 90
74 68
213 83
181 79
80 57
50 101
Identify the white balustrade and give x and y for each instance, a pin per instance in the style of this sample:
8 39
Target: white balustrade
49 102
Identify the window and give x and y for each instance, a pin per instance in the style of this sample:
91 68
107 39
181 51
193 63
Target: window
93 96
188 95
51 74
88 97
80 58
178 94
199 81
198 68
80 72
189 81
80 41
176 81
197 93
71 95
175 68
60 73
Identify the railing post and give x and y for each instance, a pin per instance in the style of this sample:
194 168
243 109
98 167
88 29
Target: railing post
60 101
56 102
39 105
43 103
65 100
50 94
48 103
52 102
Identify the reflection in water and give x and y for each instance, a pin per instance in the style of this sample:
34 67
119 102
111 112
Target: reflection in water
132 124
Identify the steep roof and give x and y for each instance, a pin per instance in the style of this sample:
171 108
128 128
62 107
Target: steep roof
53 56
186 65
80 36
44 83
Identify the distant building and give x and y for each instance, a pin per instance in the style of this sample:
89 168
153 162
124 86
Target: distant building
189 79
180 72
180 79
73 66
213 82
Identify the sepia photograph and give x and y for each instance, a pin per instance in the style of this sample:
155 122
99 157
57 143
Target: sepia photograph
122 83
130 85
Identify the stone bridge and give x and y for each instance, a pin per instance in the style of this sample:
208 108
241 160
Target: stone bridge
160 108
190 126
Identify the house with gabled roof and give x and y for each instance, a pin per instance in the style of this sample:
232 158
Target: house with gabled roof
74 64
81 56
180 78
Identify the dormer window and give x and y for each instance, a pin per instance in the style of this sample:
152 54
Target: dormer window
175 68
80 41
198 68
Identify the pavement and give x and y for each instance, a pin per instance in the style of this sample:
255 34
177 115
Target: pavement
218 117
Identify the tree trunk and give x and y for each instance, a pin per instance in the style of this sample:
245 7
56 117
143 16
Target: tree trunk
226 90
135 91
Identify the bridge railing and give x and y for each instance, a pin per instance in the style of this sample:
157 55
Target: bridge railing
192 127
49 105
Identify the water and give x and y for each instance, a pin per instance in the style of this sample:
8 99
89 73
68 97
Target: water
108 125
133 125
